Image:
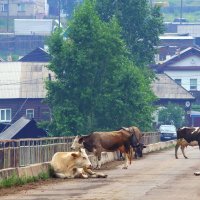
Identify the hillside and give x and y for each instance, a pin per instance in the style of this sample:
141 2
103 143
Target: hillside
190 10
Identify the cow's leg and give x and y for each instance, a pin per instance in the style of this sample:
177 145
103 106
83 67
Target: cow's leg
80 173
98 161
60 175
130 155
183 152
94 174
176 150
125 161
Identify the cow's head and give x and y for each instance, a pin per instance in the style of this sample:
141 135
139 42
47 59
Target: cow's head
81 159
138 150
77 143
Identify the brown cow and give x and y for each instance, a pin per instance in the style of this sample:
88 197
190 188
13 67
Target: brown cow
98 142
137 145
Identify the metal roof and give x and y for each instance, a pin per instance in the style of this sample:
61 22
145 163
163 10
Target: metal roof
10 132
37 55
166 88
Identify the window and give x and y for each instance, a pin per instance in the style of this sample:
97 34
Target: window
30 113
4 7
21 7
193 84
5 115
178 81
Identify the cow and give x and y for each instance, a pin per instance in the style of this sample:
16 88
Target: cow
98 142
183 144
73 165
189 134
136 144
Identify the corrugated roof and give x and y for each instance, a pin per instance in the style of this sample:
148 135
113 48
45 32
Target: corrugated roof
166 88
10 132
37 55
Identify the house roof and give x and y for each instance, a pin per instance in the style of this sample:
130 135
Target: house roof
10 132
37 55
186 53
166 88
17 127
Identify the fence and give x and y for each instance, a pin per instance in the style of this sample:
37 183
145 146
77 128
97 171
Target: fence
23 152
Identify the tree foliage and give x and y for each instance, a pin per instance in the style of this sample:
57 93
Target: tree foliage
97 86
141 25
172 114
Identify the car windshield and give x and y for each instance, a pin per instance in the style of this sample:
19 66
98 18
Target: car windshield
167 128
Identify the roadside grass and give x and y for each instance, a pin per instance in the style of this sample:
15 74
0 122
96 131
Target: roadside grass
14 180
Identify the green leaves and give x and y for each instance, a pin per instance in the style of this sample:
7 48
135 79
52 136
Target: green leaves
98 86
171 114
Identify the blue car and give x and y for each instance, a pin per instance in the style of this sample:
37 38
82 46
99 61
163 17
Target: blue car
167 132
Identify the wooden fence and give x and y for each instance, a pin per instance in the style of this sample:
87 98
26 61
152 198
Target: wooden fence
23 152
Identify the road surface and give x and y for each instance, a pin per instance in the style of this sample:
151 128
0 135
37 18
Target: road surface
157 176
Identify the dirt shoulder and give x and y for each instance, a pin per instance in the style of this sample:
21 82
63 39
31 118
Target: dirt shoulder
35 185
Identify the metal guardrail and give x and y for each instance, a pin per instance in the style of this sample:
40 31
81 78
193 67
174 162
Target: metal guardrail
23 152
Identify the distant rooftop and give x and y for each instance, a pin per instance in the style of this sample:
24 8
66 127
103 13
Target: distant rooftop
166 88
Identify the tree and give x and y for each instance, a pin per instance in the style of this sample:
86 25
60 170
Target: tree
172 114
141 25
97 85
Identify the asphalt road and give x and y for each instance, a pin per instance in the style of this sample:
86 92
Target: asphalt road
157 176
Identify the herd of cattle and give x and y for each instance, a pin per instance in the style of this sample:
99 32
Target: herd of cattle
126 140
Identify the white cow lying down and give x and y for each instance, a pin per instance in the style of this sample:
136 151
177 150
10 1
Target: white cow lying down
73 165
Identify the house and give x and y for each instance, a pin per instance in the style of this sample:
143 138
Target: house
168 91
23 128
4 126
171 44
184 69
22 87
24 9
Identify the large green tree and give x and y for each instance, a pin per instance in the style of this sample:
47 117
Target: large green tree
141 25
97 86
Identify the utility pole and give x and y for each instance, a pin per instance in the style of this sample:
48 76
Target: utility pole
8 1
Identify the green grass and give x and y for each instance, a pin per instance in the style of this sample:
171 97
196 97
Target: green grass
14 180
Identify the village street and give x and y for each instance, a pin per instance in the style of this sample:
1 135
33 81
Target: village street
156 176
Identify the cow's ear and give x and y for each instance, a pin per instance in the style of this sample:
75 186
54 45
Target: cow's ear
144 146
74 155
80 140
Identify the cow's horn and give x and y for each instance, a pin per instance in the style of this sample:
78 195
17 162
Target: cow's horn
126 129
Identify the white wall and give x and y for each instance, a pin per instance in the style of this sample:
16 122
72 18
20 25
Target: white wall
185 77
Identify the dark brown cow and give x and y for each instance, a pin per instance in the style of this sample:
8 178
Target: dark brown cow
98 142
136 143
189 134
183 144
